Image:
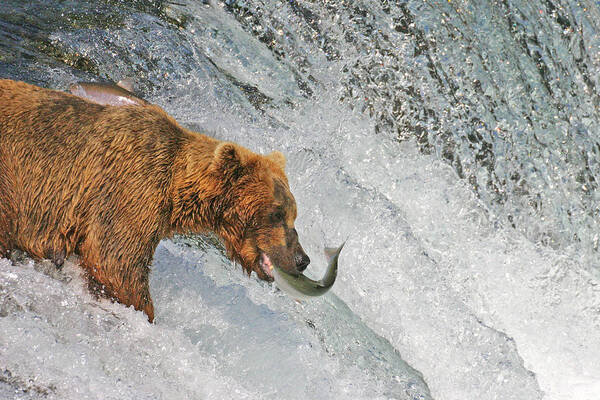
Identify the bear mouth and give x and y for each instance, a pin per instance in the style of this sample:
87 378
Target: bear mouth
266 266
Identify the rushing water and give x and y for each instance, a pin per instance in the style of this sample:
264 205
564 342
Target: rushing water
454 142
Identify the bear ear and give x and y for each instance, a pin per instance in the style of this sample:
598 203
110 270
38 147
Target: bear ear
228 157
278 158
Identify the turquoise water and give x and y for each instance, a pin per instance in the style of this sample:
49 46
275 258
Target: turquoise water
455 142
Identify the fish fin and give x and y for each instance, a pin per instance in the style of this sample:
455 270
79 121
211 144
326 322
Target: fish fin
329 253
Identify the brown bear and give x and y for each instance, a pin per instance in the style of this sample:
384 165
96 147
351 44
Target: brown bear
108 183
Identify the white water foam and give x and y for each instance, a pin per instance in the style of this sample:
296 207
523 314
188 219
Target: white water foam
213 338
473 305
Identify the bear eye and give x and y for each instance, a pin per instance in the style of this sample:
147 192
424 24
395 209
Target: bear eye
277 216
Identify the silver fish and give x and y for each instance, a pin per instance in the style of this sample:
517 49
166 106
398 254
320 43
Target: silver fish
301 287
107 93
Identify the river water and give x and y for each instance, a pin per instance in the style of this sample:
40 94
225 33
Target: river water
454 143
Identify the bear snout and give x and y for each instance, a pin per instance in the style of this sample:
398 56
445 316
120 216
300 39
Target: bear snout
302 261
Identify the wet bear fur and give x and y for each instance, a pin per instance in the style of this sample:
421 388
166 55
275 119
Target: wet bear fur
108 183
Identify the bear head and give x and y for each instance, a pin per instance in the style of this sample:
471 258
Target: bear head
255 210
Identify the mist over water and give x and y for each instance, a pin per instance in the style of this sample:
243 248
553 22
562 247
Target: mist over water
455 145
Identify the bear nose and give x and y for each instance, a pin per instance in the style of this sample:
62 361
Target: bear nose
302 261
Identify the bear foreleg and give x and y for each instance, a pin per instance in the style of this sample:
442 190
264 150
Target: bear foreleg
129 289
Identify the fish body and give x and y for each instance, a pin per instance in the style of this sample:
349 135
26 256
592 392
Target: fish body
106 93
302 287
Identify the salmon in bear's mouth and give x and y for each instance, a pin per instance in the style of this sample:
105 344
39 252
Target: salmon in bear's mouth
299 286
266 266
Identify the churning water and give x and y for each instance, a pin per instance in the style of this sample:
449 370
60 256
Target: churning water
455 143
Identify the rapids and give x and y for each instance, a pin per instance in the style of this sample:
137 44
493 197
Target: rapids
454 143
